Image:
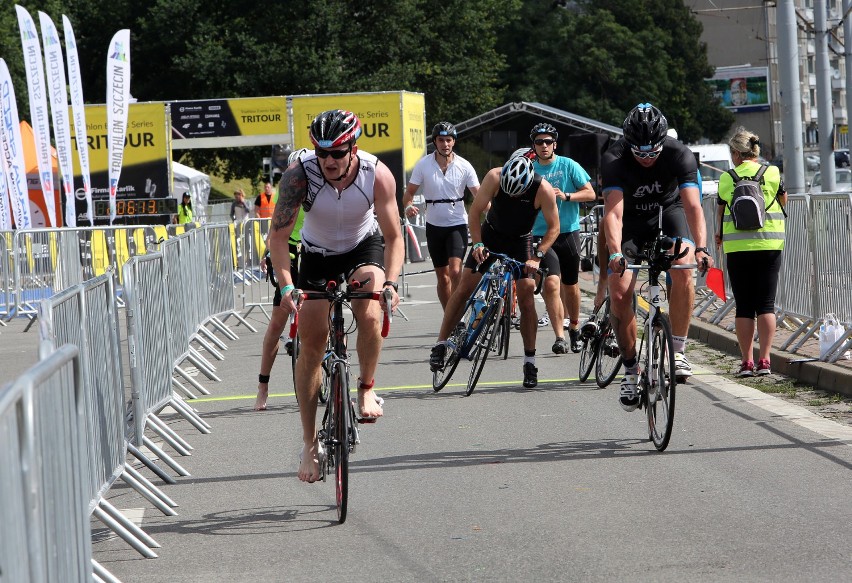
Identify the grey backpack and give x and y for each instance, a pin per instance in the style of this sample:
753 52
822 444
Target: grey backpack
748 209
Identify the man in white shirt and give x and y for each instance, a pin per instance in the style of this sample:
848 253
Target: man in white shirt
443 176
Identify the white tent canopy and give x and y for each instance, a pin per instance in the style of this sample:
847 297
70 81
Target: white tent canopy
197 184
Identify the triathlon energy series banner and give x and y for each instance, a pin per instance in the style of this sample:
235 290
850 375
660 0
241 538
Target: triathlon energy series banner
145 172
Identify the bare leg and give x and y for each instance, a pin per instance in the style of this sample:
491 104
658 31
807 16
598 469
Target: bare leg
448 279
529 318
745 336
553 304
455 305
765 334
681 300
369 342
313 333
622 316
571 299
277 322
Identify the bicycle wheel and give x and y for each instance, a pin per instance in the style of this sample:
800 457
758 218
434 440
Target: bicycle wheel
505 327
340 443
485 342
608 356
589 352
661 383
441 377
294 354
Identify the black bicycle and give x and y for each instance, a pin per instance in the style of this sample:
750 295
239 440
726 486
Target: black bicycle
600 349
339 432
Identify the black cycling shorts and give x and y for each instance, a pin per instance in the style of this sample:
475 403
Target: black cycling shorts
563 258
446 242
639 230
518 248
316 269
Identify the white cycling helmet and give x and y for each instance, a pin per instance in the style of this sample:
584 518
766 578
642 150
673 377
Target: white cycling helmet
295 154
526 152
516 175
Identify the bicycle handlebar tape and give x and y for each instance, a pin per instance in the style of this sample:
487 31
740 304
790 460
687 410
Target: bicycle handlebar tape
387 295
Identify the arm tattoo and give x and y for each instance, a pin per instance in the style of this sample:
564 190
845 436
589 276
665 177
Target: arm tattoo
291 194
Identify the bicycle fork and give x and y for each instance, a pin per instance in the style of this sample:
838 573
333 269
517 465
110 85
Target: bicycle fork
651 375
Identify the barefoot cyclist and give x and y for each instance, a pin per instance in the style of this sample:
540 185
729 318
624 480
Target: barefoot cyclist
347 195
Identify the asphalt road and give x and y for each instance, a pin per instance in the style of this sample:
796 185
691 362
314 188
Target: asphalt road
555 483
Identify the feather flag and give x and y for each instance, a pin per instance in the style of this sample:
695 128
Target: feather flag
118 103
75 86
59 112
38 107
12 147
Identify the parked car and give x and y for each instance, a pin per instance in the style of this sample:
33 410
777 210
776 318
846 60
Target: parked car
812 162
842 181
841 158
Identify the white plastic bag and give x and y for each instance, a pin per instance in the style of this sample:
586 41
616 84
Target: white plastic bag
829 333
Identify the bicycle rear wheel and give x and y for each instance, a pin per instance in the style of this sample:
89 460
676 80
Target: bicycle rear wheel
484 343
441 377
608 356
660 404
340 431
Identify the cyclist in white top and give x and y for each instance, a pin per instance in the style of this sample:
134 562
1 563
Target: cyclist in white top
443 176
347 195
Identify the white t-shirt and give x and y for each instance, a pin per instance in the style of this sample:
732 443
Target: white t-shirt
440 186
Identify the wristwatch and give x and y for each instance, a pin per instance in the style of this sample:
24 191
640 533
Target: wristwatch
703 250
539 254
393 284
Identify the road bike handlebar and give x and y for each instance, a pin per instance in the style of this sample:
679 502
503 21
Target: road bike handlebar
335 292
518 267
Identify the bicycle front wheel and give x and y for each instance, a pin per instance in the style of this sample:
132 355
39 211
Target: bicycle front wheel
341 429
589 352
294 355
484 343
661 383
608 355
506 323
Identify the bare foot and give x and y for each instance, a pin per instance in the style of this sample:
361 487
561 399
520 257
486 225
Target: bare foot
262 395
369 404
309 462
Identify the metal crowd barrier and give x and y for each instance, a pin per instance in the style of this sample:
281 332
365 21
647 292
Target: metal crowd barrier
255 291
7 287
45 529
86 316
45 261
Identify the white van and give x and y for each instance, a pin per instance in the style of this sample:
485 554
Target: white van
713 161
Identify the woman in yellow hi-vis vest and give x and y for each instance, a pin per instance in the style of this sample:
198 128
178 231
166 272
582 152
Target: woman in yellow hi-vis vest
184 211
753 255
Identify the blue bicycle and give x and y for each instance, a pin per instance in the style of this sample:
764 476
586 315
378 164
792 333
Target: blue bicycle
485 324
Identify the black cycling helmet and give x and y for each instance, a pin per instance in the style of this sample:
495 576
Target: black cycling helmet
645 127
543 128
516 175
335 127
444 128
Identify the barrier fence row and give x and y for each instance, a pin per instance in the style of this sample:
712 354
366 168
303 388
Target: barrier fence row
69 423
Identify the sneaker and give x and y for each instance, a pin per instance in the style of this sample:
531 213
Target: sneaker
436 358
683 370
762 368
544 321
628 395
576 341
566 324
530 375
560 346
746 369
589 329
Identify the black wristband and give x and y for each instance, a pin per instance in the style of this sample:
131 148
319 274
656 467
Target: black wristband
393 284
703 250
263 378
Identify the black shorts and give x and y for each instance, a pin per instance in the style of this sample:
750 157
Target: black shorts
446 242
563 257
639 230
518 248
294 272
316 269
754 281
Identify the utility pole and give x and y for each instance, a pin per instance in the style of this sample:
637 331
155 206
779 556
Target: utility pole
825 109
791 98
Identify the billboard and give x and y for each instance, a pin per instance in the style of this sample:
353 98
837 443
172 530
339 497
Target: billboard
393 126
146 170
742 89
223 123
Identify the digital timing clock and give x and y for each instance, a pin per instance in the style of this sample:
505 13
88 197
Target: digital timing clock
137 207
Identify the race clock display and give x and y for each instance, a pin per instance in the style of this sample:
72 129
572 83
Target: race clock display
137 207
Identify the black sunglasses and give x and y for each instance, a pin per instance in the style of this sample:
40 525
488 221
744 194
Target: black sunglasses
336 154
544 142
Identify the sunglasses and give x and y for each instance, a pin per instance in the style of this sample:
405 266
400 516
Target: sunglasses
544 142
643 155
336 154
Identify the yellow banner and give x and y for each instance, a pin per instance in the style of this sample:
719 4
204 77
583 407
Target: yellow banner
146 139
413 130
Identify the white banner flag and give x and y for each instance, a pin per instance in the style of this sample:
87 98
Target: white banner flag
118 97
38 108
75 86
5 217
55 69
12 148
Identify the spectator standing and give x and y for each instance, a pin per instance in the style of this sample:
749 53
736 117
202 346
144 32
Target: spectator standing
239 210
264 204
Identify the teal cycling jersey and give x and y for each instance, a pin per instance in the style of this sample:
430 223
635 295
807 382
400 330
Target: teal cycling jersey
568 176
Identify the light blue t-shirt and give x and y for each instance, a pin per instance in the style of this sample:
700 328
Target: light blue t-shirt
568 176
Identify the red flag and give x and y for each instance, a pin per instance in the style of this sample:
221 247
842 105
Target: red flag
716 282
